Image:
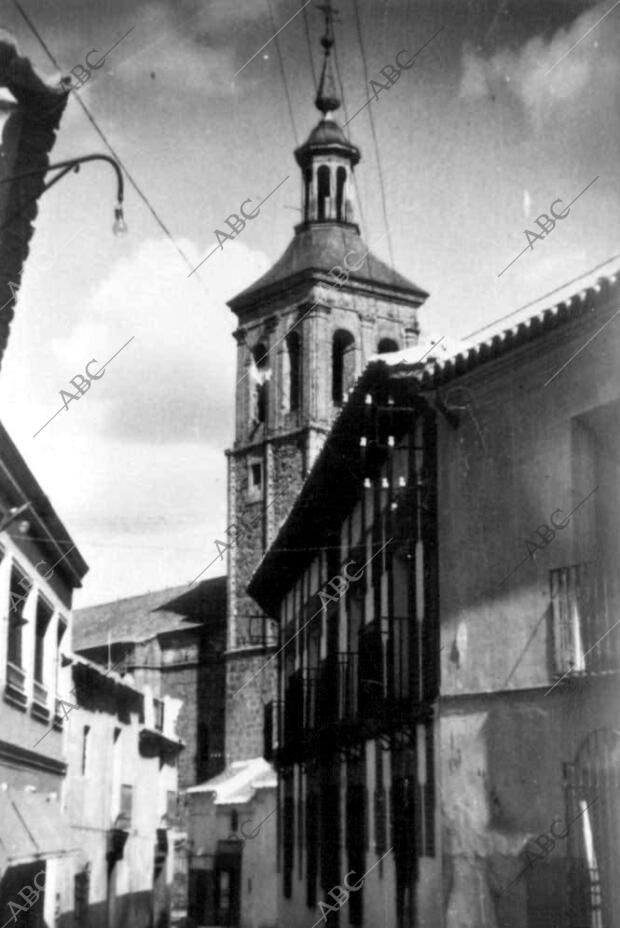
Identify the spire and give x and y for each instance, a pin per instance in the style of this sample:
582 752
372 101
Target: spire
327 96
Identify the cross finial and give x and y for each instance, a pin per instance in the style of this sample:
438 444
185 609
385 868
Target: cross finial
330 18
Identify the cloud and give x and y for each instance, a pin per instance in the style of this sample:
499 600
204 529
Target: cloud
545 73
176 380
194 47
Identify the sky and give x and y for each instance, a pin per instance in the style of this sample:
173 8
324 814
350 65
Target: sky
512 106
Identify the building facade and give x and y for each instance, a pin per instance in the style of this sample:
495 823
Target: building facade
447 718
40 567
232 822
172 641
121 800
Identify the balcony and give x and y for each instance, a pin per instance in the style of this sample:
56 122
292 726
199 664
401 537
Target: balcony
338 700
40 697
15 688
39 694
353 695
123 820
584 609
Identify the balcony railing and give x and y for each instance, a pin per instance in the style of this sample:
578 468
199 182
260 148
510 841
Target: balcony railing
337 701
15 689
311 699
352 694
39 693
255 631
585 605
15 678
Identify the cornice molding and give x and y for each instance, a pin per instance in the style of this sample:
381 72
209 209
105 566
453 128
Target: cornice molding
16 756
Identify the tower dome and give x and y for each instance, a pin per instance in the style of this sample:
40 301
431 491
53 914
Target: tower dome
327 158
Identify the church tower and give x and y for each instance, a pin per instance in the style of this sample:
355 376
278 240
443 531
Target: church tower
307 329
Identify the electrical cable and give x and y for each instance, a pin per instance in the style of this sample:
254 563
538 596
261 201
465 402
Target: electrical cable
543 297
283 74
348 135
309 45
374 135
103 138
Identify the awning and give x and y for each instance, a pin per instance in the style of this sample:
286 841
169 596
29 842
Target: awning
32 827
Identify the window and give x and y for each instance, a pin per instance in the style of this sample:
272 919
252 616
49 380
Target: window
323 192
341 177
116 765
259 377
386 345
234 821
62 628
158 713
591 826
293 351
256 475
85 748
19 589
307 193
343 364
203 768
44 614
126 804
81 888
172 807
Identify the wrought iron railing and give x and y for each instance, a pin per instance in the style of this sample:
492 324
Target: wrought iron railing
367 691
585 606
338 694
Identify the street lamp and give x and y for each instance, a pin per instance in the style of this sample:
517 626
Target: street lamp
73 164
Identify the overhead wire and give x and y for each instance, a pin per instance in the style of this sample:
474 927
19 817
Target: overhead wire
309 46
105 141
283 75
348 135
374 133
544 296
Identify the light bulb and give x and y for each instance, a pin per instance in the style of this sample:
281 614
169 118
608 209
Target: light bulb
120 226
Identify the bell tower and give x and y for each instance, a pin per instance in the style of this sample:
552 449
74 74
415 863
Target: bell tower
306 330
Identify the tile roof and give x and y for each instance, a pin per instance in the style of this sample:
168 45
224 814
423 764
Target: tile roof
596 290
30 111
140 618
314 251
